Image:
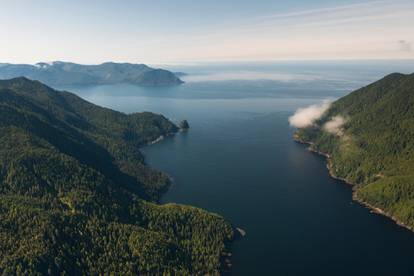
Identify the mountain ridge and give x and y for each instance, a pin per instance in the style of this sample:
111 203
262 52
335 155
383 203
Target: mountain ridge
59 73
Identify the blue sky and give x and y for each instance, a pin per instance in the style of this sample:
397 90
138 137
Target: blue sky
185 31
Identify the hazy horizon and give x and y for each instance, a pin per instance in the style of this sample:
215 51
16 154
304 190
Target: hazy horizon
229 62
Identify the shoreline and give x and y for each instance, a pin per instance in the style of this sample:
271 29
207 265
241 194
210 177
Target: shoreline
170 179
373 209
160 138
163 136
225 255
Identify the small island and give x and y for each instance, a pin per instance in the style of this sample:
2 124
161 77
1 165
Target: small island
183 125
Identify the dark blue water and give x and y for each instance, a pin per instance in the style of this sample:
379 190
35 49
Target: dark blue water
239 160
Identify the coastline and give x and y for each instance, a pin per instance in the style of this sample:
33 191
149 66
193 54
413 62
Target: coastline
170 179
226 254
163 136
373 209
160 138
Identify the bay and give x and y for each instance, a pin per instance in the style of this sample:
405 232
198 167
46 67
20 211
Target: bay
239 160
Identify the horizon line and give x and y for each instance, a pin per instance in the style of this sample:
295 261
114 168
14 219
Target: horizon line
196 62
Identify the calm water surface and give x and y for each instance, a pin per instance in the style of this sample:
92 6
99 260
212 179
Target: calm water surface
239 160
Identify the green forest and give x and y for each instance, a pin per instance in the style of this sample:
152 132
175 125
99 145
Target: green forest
76 196
375 150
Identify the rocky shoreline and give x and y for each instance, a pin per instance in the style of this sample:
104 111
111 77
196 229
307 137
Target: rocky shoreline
373 209
160 138
226 255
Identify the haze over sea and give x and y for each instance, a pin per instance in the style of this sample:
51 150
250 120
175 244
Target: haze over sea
238 159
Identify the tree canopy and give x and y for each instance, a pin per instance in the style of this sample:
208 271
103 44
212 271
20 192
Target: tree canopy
76 196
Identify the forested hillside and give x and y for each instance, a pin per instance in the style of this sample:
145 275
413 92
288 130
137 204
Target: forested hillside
374 148
77 197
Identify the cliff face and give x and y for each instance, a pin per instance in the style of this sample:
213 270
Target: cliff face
373 144
66 73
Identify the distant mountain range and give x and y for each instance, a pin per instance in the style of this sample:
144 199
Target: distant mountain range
60 73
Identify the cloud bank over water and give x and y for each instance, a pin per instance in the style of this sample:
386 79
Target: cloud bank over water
250 75
305 117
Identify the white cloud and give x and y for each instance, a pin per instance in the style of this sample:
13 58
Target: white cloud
334 126
404 45
305 117
355 8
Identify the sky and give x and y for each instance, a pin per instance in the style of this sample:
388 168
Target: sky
190 31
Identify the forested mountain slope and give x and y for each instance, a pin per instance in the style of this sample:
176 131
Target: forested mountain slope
77 197
374 147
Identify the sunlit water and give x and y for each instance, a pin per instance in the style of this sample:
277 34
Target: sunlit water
239 160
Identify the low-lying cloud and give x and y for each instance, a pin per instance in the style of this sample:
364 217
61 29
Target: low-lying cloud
305 117
334 126
404 45
250 76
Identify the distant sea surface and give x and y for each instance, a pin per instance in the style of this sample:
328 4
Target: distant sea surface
239 160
